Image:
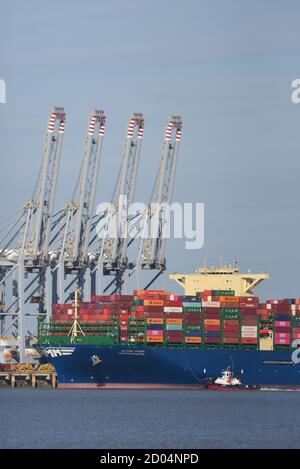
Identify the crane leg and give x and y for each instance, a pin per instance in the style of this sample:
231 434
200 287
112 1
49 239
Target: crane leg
21 315
48 293
100 277
61 282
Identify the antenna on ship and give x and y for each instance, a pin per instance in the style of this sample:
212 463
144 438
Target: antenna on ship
76 328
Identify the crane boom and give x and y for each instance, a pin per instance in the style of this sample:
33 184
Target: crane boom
37 243
78 214
88 185
113 250
152 248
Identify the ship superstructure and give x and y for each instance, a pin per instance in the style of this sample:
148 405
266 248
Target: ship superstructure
219 278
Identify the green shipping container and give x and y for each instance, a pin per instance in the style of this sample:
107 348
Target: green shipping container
223 292
173 327
191 310
194 327
230 310
191 304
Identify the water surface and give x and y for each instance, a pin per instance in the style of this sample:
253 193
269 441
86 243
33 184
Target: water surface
148 419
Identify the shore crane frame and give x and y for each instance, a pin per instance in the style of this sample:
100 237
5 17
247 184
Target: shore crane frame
32 252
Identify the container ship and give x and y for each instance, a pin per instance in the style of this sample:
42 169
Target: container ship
155 339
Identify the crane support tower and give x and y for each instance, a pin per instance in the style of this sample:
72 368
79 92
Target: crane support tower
29 261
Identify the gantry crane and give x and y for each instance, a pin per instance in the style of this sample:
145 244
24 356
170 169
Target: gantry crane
73 255
112 259
40 249
151 254
32 232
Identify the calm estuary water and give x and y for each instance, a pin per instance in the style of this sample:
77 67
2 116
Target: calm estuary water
148 419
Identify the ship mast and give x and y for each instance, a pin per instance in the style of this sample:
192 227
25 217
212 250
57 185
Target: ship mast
76 328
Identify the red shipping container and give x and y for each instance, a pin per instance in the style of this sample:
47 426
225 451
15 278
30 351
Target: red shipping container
282 329
281 307
282 335
192 315
296 335
173 333
192 322
249 317
230 328
230 340
211 316
249 323
210 310
173 315
232 304
154 309
231 322
155 332
282 323
212 340
153 315
176 304
296 330
249 340
213 327
249 312
248 306
282 342
249 299
231 333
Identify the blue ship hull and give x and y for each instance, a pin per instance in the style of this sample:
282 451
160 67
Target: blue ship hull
146 367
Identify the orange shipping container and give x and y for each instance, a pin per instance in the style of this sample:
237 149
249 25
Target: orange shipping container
173 321
212 322
229 299
193 340
153 303
155 321
154 338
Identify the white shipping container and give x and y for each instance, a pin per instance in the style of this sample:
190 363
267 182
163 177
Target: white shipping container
172 309
249 335
249 328
211 304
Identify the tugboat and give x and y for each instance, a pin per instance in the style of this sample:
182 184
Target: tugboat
228 382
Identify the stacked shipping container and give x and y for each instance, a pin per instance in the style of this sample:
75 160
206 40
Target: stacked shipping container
212 318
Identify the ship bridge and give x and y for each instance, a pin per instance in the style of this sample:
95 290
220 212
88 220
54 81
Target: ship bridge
219 278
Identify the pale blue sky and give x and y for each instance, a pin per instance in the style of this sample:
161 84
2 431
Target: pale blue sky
225 66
